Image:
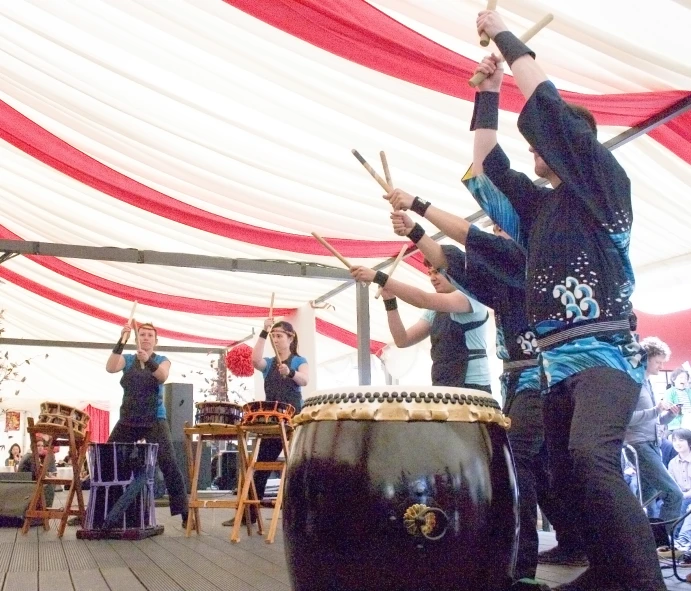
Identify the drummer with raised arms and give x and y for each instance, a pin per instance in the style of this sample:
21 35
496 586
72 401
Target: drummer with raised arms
284 376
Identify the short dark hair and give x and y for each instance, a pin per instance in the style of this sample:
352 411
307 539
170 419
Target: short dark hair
684 434
585 114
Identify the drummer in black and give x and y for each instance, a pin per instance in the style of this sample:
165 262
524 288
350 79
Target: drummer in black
454 321
142 414
283 382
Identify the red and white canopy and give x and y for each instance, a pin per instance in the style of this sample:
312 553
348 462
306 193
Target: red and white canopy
224 128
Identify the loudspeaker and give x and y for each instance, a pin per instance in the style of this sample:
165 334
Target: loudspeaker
179 404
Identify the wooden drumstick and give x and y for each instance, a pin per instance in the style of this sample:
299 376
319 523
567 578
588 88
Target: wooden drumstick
385 166
278 357
393 268
136 338
484 37
332 250
529 34
271 306
384 185
124 338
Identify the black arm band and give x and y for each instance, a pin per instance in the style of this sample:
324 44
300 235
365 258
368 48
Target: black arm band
391 304
416 233
291 373
512 47
419 206
263 334
380 278
151 365
486 111
119 348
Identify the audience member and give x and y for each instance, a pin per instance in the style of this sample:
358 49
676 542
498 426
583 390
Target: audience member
679 395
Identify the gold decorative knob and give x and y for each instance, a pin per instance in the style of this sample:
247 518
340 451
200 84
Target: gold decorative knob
427 522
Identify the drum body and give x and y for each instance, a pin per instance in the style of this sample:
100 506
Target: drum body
57 413
267 412
113 467
219 413
389 495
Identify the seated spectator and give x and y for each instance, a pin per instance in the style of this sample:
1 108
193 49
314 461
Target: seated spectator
15 455
641 434
679 470
27 465
679 395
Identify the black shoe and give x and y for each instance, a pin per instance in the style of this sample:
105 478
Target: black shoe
74 521
231 522
562 557
184 520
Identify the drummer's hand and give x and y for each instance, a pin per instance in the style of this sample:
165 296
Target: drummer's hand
363 274
125 332
268 323
143 355
284 370
399 199
402 223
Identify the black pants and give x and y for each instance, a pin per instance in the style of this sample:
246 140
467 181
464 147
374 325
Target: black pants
269 451
586 417
527 439
159 433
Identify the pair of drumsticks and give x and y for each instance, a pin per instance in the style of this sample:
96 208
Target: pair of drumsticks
529 34
133 325
387 185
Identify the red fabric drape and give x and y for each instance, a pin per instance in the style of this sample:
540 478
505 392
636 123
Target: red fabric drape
31 138
359 32
99 424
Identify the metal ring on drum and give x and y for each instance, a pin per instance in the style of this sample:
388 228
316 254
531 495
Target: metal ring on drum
401 489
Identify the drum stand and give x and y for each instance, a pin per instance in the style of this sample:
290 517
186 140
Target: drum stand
259 431
77 444
216 432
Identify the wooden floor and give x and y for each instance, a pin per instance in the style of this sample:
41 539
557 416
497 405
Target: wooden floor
170 562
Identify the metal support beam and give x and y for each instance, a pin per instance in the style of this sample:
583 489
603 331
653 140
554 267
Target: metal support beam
174 259
363 335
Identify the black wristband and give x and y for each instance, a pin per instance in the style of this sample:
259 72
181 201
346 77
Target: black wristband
416 233
391 304
151 365
380 278
486 111
263 334
512 47
291 373
419 206
119 348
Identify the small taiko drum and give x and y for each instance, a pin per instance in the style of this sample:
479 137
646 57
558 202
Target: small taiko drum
219 413
57 413
267 412
401 489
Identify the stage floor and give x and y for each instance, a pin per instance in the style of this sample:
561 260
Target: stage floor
40 561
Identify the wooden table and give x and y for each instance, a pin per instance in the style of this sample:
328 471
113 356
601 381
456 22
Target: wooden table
216 432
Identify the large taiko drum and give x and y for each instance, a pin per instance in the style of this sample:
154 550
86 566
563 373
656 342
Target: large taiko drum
401 489
218 413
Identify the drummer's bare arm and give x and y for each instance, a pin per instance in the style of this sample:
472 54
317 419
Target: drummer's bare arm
406 337
302 375
116 362
162 372
439 302
258 352
403 225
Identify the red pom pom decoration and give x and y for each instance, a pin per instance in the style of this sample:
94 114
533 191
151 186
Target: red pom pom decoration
239 361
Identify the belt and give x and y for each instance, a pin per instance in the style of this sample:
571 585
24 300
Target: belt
520 364
608 326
